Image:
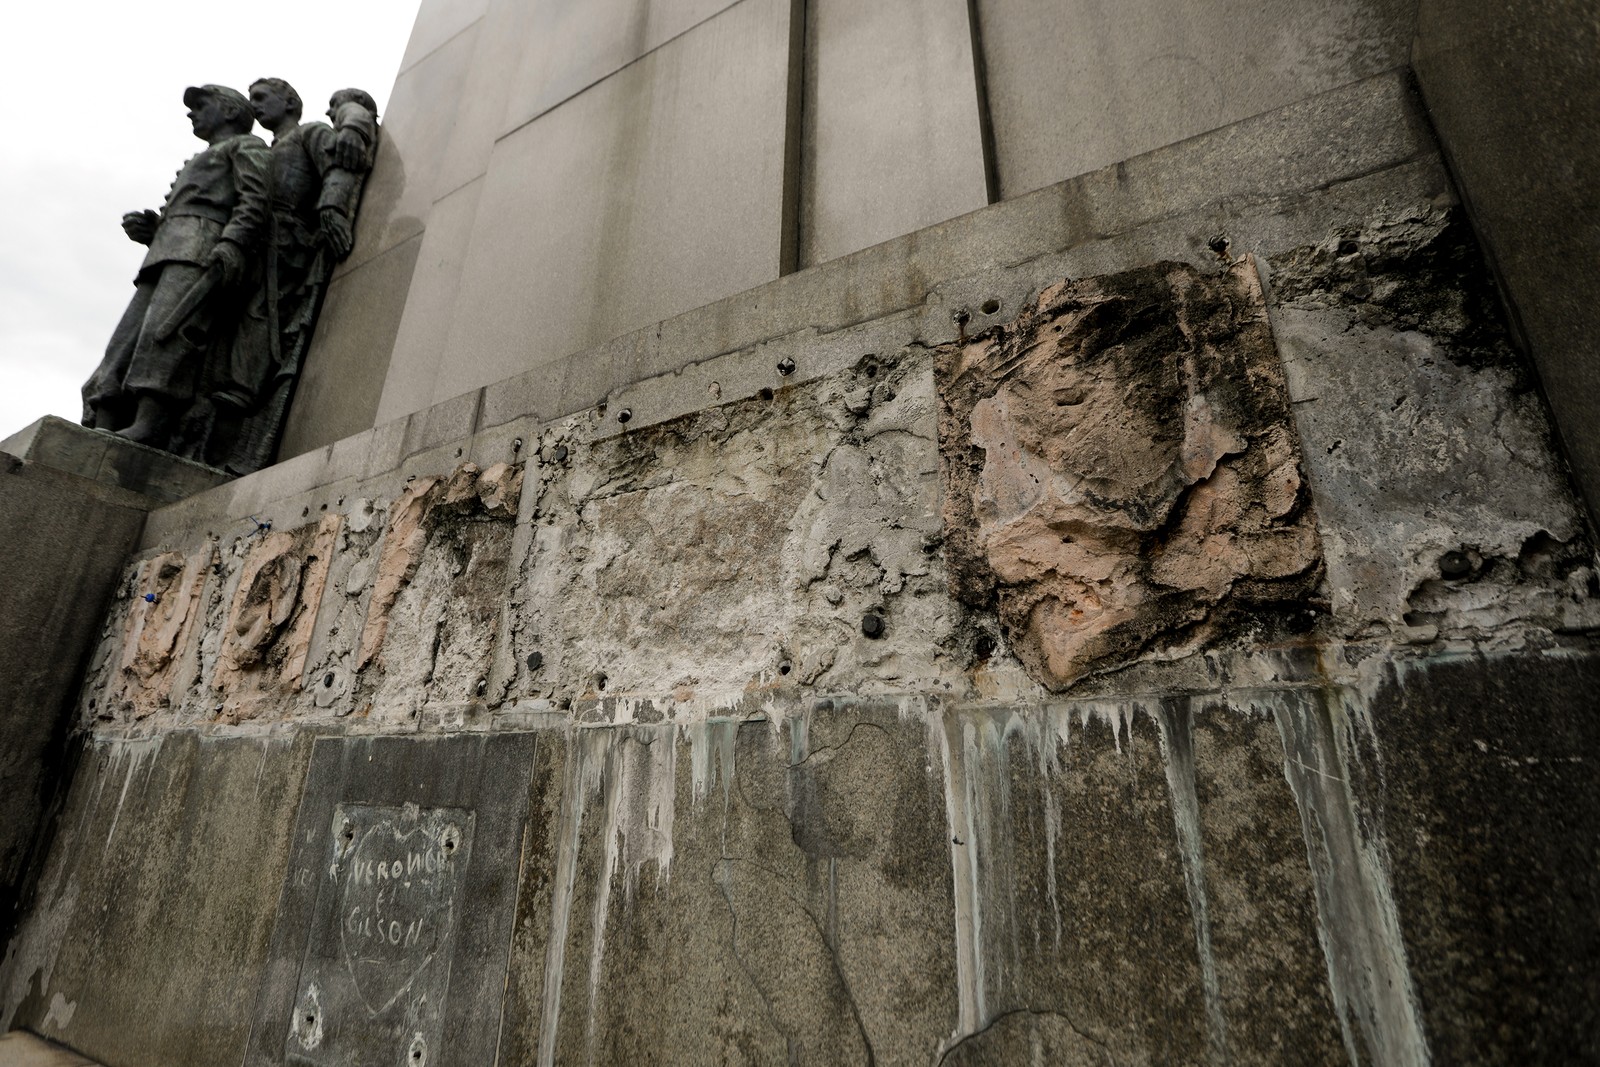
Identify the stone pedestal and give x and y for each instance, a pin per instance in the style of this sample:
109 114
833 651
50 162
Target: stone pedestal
72 504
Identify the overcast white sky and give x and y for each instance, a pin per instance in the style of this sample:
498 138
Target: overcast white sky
92 125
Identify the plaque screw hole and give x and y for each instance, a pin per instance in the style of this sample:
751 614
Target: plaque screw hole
784 667
327 680
535 660
600 682
624 415
785 366
990 306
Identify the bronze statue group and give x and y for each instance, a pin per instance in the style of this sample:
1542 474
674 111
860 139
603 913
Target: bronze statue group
204 361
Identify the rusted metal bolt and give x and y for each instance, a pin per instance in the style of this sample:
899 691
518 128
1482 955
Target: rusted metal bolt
1454 565
872 625
785 366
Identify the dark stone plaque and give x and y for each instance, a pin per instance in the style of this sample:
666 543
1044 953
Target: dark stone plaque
376 967
395 921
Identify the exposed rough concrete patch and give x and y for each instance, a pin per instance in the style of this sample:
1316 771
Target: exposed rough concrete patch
274 609
433 616
739 551
160 605
1122 469
493 492
1445 511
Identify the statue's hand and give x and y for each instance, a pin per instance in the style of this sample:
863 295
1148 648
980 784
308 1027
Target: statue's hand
141 226
336 231
350 151
230 258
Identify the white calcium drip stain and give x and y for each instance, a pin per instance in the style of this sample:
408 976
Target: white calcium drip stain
633 769
971 1015
129 756
711 745
974 751
1357 920
582 773
1177 748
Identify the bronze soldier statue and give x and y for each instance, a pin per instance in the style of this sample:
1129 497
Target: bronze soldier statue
317 173
201 243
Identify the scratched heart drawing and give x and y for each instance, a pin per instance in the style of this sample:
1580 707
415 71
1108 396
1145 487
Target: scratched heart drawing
398 880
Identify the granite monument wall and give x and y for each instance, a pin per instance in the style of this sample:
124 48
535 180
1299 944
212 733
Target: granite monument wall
1147 619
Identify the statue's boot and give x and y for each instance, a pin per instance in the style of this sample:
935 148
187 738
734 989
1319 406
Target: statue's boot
148 422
